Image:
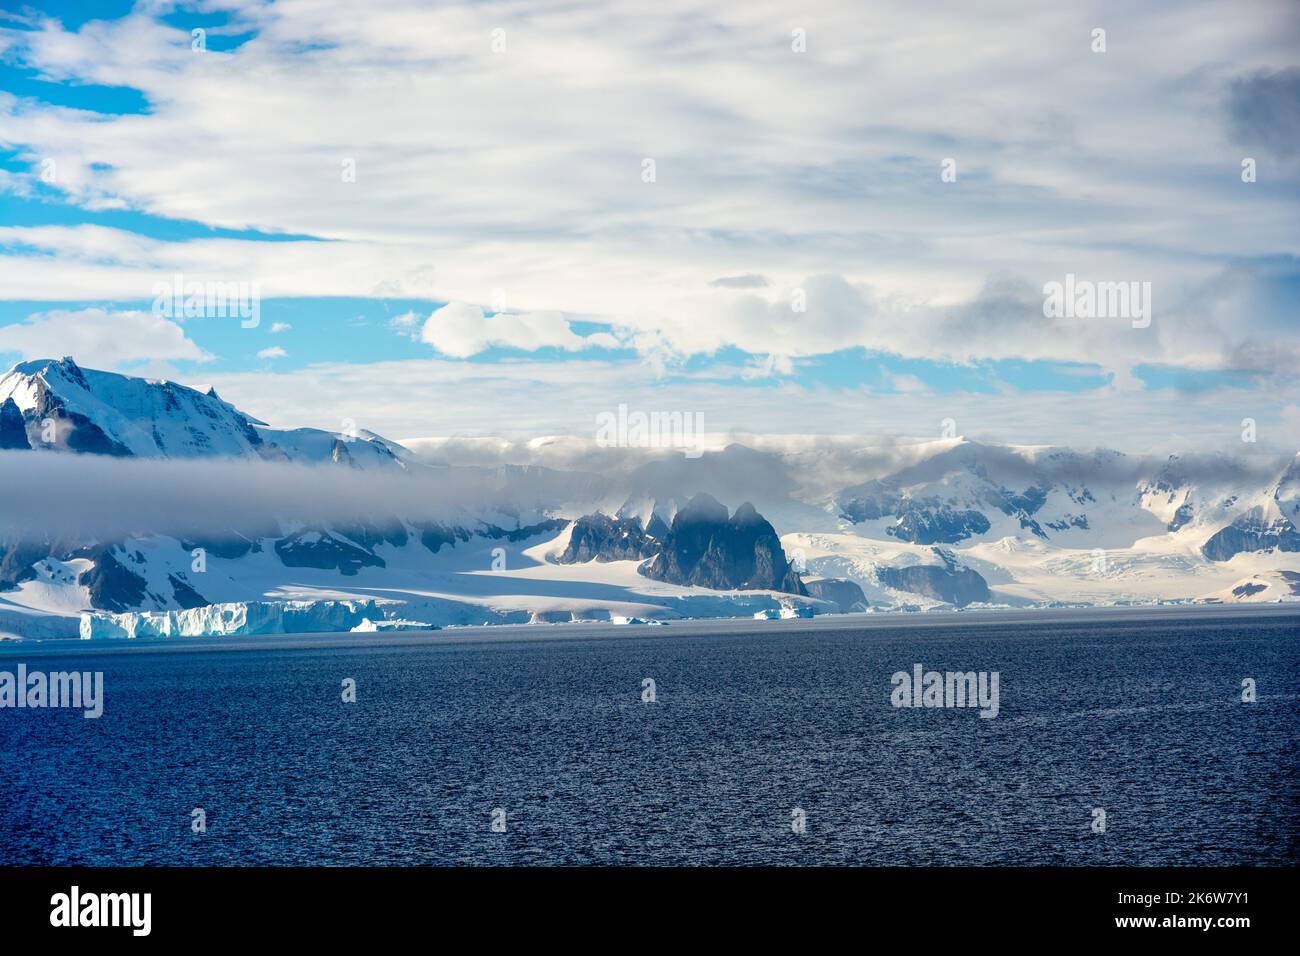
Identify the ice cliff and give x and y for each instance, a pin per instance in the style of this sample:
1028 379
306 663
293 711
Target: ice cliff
238 618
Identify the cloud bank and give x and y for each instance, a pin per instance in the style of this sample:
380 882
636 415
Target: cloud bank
813 166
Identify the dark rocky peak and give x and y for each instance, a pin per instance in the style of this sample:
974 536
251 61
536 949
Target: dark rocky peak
13 431
598 537
702 509
707 548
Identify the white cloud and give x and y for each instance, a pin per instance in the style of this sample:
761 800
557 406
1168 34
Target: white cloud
523 172
95 496
461 330
407 325
274 352
100 339
522 400
902 382
277 327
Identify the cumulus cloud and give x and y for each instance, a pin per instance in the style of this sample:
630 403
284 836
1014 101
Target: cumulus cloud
771 164
274 352
100 338
460 330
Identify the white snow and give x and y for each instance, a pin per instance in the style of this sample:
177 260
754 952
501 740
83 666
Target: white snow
396 624
1124 554
237 618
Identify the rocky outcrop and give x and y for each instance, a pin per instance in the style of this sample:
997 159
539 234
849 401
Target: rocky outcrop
368 534
71 430
1252 532
228 546
112 585
183 594
844 594
1262 587
1185 513
947 581
433 535
943 525
13 431
320 549
598 537
16 560
707 549
925 520
521 532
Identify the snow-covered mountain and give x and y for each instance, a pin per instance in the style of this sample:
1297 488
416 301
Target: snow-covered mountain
68 408
911 525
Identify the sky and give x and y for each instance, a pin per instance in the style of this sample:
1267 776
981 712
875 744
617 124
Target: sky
824 218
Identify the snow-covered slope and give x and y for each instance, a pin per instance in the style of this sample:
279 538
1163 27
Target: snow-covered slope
913 524
1267 586
68 408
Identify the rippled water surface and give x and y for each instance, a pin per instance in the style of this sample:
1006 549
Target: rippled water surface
1141 716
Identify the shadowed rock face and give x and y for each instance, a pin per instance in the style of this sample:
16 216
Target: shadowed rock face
1252 532
845 594
112 585
433 535
184 595
920 521
598 537
943 525
233 545
949 581
1184 514
13 433
320 549
707 549
376 532
73 430
16 560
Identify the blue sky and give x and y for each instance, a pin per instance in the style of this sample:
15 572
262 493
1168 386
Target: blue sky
457 200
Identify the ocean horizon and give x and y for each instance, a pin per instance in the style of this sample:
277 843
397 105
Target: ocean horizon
1120 738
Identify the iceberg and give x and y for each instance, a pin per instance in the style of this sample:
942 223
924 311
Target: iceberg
785 612
367 625
237 618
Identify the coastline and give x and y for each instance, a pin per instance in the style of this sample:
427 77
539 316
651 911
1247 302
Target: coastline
730 626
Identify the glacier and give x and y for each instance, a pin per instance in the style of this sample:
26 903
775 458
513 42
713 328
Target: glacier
236 618
545 536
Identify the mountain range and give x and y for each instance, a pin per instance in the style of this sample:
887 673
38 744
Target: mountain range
836 524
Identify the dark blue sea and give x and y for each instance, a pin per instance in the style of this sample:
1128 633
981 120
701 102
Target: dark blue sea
1137 714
